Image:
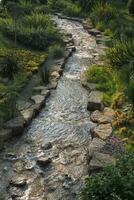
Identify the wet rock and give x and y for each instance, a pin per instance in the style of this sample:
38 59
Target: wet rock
103 117
36 108
38 99
95 101
54 76
45 92
44 161
20 182
15 192
96 145
28 115
52 86
102 131
39 88
47 146
5 134
10 156
23 105
86 84
16 125
99 161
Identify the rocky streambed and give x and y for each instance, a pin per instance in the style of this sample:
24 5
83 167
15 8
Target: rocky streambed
52 158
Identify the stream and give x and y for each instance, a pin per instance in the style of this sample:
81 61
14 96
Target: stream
60 132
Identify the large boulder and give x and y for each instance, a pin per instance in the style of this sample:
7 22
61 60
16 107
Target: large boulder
99 161
16 125
95 101
102 131
103 117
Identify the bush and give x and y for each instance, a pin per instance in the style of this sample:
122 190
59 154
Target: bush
103 12
122 53
131 6
114 183
36 31
56 51
103 76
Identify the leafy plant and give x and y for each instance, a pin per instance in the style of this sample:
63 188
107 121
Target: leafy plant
56 51
114 183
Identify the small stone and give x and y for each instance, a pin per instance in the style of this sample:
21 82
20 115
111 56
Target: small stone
45 92
95 101
54 76
103 131
47 146
28 115
38 99
44 161
39 88
18 182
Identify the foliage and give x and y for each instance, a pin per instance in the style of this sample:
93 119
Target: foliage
103 76
26 63
103 12
131 6
122 53
36 31
56 51
114 183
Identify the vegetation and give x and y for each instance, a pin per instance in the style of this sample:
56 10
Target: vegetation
114 183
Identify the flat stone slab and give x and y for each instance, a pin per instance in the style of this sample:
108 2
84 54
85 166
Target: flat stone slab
102 131
95 101
38 99
16 125
96 145
99 161
103 117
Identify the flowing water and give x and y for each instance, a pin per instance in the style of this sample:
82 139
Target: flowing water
65 122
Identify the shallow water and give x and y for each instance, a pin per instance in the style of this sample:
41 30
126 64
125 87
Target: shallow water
65 122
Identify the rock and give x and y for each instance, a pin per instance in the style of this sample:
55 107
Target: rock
52 86
95 101
45 92
54 76
23 105
102 131
39 88
103 117
38 99
47 146
44 161
16 125
36 108
28 115
86 84
96 145
93 32
18 182
99 161
5 134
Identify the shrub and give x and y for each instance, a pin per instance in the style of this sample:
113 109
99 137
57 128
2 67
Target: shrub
56 51
36 31
103 76
131 6
103 12
114 183
122 53
8 66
